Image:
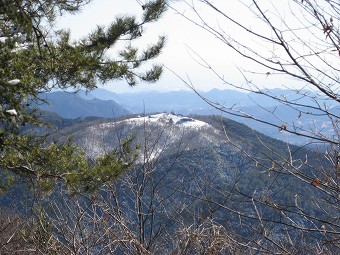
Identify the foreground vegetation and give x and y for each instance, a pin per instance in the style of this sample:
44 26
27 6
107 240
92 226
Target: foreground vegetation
246 194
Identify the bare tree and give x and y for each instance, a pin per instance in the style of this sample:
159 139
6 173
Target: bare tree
295 43
14 232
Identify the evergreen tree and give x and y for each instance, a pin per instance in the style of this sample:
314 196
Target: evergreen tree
35 57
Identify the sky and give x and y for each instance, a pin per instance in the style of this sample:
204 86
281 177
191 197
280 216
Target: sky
186 45
182 38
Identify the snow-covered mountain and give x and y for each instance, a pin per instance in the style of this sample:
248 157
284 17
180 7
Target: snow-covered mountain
196 167
165 133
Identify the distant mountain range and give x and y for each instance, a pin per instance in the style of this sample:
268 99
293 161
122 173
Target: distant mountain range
103 103
70 105
187 102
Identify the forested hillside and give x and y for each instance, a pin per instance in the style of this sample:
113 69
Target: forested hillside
191 173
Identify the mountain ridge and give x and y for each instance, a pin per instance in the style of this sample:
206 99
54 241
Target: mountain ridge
187 102
72 105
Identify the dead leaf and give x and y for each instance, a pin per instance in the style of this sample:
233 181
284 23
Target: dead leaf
283 127
315 183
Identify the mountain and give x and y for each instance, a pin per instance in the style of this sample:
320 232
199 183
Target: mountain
103 103
256 104
71 105
103 135
192 131
183 102
163 135
186 102
192 168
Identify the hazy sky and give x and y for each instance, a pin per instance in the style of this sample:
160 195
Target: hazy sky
183 38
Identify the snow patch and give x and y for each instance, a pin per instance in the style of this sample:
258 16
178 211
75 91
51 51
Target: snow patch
169 119
166 133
